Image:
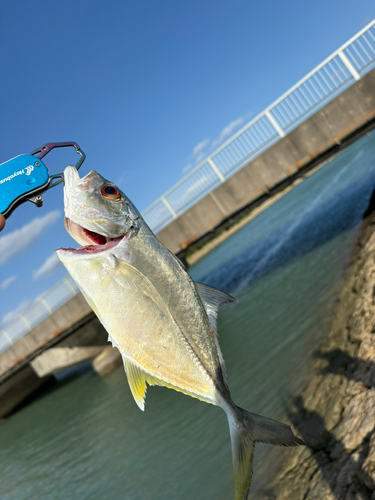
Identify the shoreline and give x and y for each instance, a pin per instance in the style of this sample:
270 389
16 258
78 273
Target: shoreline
335 411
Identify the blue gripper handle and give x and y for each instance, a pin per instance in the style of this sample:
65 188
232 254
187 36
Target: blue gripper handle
21 178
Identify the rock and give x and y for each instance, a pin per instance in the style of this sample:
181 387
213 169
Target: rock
368 466
335 413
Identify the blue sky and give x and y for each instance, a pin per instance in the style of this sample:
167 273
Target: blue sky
146 88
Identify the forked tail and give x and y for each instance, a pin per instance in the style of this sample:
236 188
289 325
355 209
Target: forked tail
246 429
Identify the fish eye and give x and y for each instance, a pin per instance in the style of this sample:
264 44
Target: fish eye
110 191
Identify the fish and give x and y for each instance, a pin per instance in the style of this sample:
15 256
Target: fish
163 323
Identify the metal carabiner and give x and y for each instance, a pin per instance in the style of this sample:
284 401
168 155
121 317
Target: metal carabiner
46 148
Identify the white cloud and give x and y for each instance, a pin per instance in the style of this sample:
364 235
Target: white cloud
50 266
198 150
7 282
123 179
19 240
205 147
227 131
12 315
201 149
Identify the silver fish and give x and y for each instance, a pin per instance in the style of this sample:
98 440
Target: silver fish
162 322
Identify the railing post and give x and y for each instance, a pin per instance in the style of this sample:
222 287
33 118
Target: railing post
47 307
25 321
348 65
7 336
167 204
215 169
274 123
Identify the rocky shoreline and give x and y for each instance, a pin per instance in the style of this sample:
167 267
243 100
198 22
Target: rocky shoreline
335 412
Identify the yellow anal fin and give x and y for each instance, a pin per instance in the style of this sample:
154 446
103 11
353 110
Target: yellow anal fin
138 377
137 381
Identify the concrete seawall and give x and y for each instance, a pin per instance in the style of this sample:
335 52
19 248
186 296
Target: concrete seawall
322 131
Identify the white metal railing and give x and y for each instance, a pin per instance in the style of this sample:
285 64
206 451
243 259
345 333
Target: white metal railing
340 69
38 311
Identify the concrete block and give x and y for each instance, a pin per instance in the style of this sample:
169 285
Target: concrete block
56 359
107 361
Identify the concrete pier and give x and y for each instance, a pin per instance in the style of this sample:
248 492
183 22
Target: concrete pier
73 325
45 334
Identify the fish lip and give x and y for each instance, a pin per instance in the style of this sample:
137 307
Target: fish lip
92 249
83 235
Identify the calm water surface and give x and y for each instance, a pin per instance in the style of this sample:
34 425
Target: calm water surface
87 439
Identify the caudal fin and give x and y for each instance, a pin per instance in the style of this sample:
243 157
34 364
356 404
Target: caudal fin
245 430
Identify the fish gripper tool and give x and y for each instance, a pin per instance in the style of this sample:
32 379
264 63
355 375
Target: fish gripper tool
26 177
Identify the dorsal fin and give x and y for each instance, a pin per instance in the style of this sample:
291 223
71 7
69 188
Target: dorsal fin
137 381
212 299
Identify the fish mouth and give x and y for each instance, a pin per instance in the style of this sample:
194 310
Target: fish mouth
90 241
